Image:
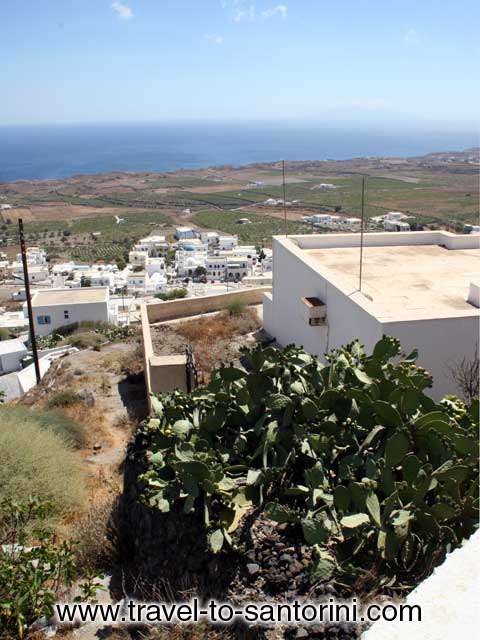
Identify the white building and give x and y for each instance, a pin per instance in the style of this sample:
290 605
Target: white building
186 262
94 278
136 281
35 255
156 246
227 243
37 271
184 233
156 283
54 308
210 238
11 354
216 267
155 265
137 258
422 287
237 268
395 225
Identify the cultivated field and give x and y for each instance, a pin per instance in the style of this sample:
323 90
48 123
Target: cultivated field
439 190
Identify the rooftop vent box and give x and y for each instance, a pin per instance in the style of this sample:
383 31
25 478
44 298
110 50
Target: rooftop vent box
314 310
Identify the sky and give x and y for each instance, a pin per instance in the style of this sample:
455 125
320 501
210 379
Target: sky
376 62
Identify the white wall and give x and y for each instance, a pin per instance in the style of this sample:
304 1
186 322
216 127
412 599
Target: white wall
293 279
11 361
441 342
87 311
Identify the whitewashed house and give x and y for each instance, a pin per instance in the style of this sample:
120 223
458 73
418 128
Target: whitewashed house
395 225
137 258
227 243
136 281
12 353
37 272
184 233
155 265
237 268
216 267
210 238
155 245
421 287
54 308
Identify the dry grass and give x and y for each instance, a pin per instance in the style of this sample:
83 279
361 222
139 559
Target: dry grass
84 340
117 362
96 548
221 326
37 462
214 339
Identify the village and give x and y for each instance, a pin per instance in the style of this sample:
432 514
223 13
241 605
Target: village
195 264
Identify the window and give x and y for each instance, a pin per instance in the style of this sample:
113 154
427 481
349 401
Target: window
66 314
44 320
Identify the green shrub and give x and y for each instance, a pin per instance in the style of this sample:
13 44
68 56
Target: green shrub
32 578
71 432
85 340
4 334
174 294
381 480
236 308
65 398
36 462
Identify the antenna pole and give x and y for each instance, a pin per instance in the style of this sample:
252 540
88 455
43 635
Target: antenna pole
284 198
26 280
362 229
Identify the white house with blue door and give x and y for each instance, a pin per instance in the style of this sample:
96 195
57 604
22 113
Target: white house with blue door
55 308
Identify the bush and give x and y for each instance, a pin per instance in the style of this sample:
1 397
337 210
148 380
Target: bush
4 334
354 456
96 539
70 431
37 462
63 399
85 340
32 578
236 307
174 294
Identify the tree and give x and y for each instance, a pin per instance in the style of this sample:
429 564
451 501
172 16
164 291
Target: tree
121 264
85 282
199 272
465 374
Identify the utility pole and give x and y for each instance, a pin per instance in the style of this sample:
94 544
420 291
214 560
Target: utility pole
284 198
362 229
26 280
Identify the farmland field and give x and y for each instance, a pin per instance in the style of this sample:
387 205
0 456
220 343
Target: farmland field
438 191
259 232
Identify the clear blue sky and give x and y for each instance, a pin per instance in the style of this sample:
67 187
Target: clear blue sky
378 61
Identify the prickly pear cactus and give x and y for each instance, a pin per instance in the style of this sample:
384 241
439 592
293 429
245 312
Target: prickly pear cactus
379 479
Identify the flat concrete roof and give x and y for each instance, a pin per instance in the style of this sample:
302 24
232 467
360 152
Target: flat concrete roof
12 346
49 297
406 281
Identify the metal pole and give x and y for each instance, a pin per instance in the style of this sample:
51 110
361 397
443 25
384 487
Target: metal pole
284 198
362 225
26 280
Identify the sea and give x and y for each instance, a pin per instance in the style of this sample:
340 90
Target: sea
60 151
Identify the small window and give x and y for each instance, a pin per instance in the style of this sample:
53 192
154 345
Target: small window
44 319
66 314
